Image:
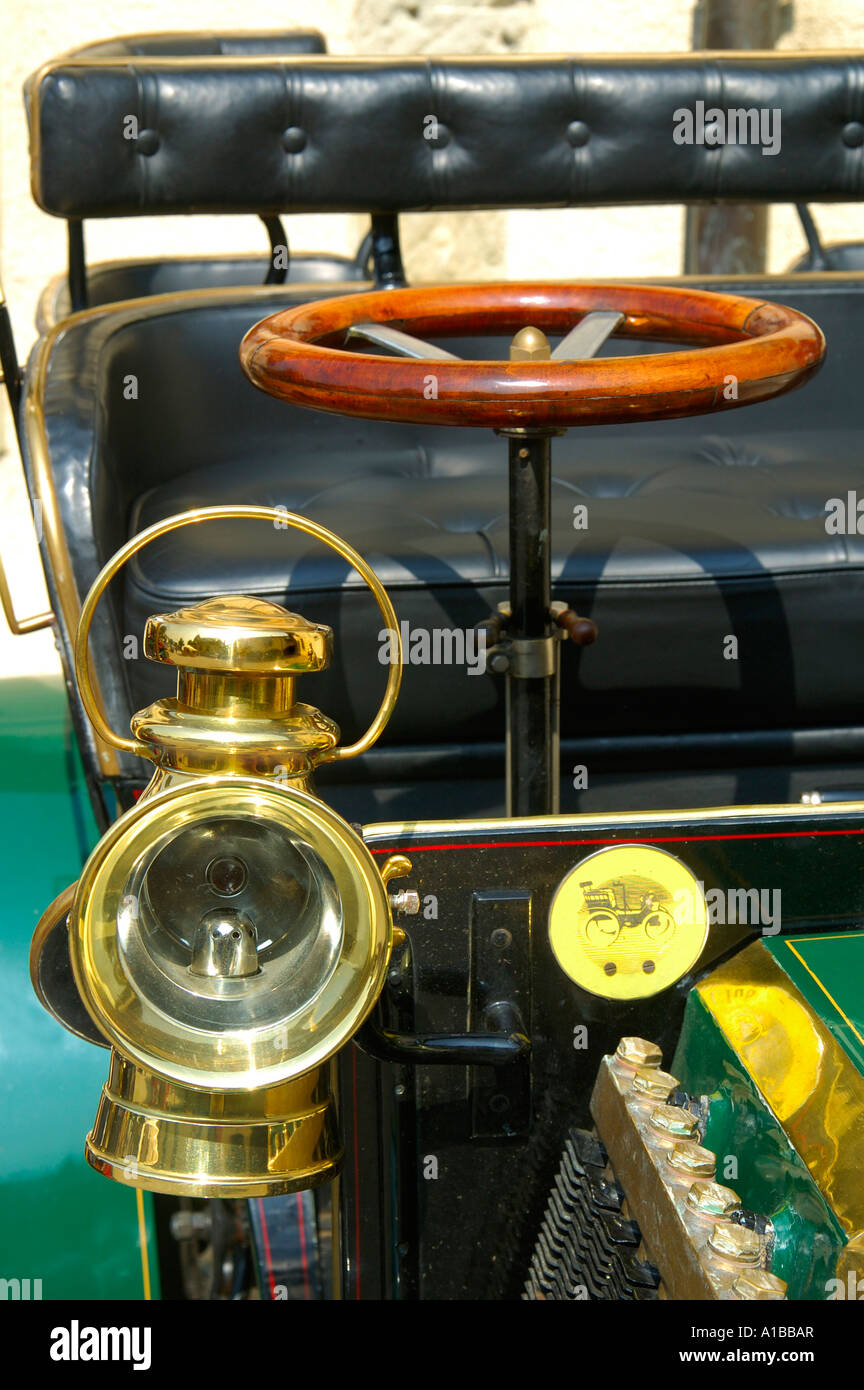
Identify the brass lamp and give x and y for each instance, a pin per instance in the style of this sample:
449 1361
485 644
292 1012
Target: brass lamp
230 933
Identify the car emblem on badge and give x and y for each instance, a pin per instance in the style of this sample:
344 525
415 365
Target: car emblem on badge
628 921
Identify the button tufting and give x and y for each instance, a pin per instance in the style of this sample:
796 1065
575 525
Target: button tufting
147 142
293 139
853 134
578 133
437 135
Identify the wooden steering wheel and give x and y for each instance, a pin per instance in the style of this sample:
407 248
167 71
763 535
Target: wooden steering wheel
737 351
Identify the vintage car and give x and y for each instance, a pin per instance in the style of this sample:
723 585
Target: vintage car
544 978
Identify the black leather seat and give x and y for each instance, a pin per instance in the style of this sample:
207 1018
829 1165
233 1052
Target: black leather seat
701 533
698 530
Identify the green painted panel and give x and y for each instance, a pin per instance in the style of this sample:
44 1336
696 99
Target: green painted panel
59 1220
769 1175
829 972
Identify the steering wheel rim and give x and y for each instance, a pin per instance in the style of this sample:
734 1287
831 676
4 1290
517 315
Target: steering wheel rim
738 351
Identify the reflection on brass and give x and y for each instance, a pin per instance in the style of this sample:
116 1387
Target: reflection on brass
807 1079
758 1285
652 1083
530 345
653 1204
131 946
217 616
628 922
735 1244
689 1160
675 1219
637 1052
155 1134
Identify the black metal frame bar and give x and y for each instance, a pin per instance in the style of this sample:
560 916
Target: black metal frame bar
533 786
387 268
77 265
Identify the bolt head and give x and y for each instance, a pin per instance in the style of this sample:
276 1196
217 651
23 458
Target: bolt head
530 345
735 1243
758 1285
691 1160
714 1200
651 1083
637 1052
673 1122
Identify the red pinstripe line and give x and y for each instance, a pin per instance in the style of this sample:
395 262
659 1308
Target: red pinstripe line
267 1254
648 839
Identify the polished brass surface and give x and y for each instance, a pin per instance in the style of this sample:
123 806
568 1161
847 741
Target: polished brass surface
628 921
689 1160
237 1034
653 1083
713 1200
758 1285
850 1265
736 1244
238 634
157 1135
183 741
654 1198
637 1052
242 640
804 1074
530 345
669 1123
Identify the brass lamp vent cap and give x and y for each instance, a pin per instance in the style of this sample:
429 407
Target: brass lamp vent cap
240 634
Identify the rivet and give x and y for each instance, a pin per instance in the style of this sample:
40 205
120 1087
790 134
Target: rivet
853 134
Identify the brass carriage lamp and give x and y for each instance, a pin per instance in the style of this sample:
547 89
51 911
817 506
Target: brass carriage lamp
230 933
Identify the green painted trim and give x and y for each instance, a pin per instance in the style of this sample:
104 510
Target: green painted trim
770 1177
828 970
60 1222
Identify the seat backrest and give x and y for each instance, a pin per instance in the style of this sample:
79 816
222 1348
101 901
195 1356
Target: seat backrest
318 134
176 47
200 44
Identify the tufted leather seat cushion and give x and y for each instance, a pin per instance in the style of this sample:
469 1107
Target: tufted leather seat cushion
698 531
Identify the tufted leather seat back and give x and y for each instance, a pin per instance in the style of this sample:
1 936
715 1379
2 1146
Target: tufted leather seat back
320 134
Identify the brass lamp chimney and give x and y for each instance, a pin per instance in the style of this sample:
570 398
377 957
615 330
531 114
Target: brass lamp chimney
231 932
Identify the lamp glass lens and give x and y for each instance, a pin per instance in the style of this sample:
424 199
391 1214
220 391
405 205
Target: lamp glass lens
229 922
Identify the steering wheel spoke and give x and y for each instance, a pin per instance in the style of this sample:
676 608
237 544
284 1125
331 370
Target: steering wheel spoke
403 344
588 336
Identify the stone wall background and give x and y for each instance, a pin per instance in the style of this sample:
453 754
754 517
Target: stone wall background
585 243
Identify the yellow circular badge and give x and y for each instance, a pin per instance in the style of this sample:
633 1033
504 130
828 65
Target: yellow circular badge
628 921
